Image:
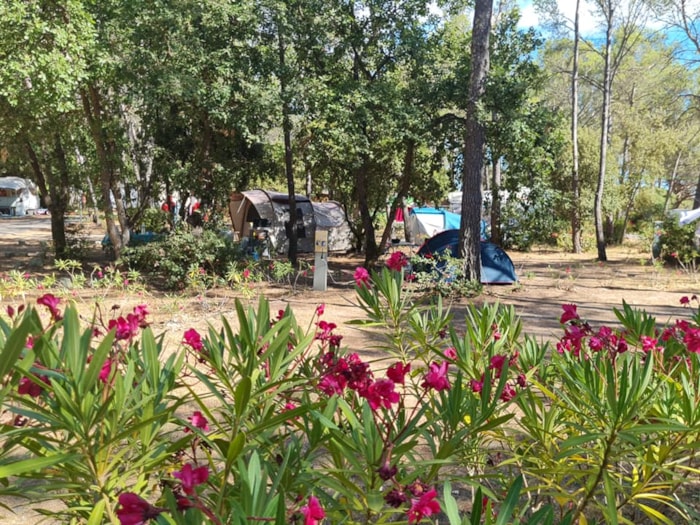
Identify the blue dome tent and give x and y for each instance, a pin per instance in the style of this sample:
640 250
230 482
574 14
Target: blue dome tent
496 265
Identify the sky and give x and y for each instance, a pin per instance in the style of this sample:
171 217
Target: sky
587 23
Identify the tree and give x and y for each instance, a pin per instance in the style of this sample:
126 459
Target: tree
575 179
626 29
474 144
44 46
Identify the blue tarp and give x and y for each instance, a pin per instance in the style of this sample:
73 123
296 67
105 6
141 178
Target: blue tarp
496 265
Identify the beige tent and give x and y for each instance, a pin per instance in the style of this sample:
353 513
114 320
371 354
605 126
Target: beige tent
256 211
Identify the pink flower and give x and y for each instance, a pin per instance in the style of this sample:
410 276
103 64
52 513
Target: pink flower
436 378
312 511
332 384
10 311
477 386
193 339
246 273
451 353
51 302
125 328
570 313
320 309
692 340
397 261
140 313
648 343
397 372
426 505
522 380
508 393
497 363
361 277
381 393
198 421
135 510
685 300
106 371
191 477
30 388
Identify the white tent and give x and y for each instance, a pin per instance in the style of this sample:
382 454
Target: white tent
18 196
259 210
686 216
423 223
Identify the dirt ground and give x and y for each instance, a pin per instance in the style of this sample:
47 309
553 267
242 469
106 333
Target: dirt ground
547 279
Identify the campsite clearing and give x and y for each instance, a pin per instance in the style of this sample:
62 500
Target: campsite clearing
547 279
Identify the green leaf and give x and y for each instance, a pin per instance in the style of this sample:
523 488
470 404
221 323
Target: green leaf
505 513
242 396
30 465
98 359
97 514
450 505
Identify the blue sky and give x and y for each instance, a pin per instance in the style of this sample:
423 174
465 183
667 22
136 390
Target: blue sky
587 23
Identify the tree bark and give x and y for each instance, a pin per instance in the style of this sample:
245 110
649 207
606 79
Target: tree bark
474 145
115 214
51 191
575 181
404 185
496 201
292 234
605 124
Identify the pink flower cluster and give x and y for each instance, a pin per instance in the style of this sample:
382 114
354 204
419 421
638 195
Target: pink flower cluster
361 277
339 373
325 333
127 327
51 302
397 261
423 499
579 336
134 510
496 366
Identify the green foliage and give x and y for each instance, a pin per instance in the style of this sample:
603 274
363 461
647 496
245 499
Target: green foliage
100 404
442 274
184 257
528 218
265 420
678 243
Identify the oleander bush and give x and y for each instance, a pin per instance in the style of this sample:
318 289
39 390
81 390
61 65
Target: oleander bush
265 421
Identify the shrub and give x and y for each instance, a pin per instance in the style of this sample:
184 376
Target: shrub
678 243
265 421
178 255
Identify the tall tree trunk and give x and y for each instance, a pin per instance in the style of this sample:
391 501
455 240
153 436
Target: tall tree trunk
575 182
474 145
496 201
59 198
404 185
370 242
292 233
696 201
54 189
112 202
604 131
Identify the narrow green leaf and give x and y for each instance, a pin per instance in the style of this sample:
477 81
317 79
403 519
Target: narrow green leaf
30 465
505 513
242 396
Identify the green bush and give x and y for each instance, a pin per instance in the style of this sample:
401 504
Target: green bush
678 242
265 421
177 255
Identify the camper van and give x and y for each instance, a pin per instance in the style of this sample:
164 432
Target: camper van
18 196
